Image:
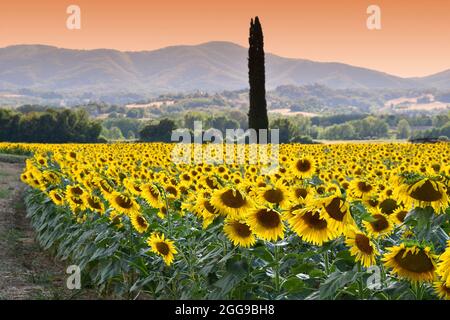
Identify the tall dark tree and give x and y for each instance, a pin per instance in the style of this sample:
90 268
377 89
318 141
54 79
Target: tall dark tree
257 116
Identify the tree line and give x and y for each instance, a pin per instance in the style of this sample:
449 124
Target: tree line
50 126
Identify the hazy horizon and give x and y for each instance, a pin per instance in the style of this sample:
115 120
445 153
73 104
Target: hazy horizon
216 41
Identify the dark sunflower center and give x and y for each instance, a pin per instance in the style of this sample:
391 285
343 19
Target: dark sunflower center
364 187
76 200
303 165
172 190
426 192
94 204
57 197
268 218
320 190
77 191
124 202
141 221
301 193
380 223
211 183
105 186
314 221
233 200
363 244
388 206
274 196
242 230
209 207
163 248
418 263
402 215
334 209
373 202
154 193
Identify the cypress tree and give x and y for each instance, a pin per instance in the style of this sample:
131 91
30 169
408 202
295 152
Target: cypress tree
257 116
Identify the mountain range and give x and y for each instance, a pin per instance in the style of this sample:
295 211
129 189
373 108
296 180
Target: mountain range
212 66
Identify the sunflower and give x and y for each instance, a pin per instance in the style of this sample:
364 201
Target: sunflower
337 210
105 187
163 247
204 209
50 177
210 181
171 191
75 203
311 227
444 265
57 197
362 248
266 223
442 290
388 206
361 189
231 202
426 193
303 167
277 195
94 203
399 215
74 191
239 233
132 186
115 218
301 193
41 160
151 194
411 262
139 222
123 203
380 227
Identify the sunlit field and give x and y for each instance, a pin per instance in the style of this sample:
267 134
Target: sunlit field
340 221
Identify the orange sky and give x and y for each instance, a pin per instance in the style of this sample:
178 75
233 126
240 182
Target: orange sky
414 40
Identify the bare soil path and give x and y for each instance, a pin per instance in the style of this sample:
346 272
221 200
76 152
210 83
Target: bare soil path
26 272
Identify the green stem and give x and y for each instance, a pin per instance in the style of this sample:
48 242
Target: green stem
360 283
326 260
277 269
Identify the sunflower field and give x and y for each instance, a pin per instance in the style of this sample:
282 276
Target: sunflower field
342 221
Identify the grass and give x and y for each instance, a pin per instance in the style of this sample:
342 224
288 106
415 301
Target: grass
11 236
12 158
5 193
4 174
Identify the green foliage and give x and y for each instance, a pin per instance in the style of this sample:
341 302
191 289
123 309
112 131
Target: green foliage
158 132
367 128
403 129
52 126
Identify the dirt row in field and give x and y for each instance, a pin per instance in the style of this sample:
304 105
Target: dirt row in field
26 272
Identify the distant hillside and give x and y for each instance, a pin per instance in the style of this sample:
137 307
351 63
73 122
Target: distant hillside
439 80
213 66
